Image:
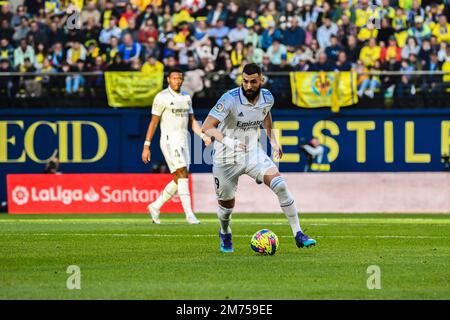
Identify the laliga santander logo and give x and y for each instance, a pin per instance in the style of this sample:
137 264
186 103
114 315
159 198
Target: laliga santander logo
20 195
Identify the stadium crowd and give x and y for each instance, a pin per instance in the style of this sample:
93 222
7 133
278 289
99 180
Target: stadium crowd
213 40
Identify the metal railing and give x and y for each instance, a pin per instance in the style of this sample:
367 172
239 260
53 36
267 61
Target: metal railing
376 89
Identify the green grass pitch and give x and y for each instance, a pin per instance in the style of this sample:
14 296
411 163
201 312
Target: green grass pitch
128 257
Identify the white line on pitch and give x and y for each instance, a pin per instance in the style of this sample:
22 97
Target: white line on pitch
207 235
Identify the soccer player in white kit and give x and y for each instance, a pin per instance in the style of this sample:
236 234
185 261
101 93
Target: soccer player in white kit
173 108
233 124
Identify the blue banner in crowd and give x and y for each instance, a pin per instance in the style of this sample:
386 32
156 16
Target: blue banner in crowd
104 140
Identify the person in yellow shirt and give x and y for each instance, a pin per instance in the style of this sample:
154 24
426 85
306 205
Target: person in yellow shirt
370 53
442 30
367 32
152 66
363 12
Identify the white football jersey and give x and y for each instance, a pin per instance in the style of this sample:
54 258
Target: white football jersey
174 110
241 120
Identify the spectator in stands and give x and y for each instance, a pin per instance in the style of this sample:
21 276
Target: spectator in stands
308 14
147 31
431 83
368 83
153 66
391 50
425 52
276 51
6 50
346 29
6 83
90 12
411 47
24 51
269 35
117 64
111 31
29 87
415 11
218 14
294 36
6 31
55 34
342 64
442 30
219 31
252 37
386 32
75 83
390 82
39 36
252 54
234 13
419 30
129 49
239 33
22 30
152 49
352 49
323 64
40 54
370 53
148 14
325 32
332 51
75 53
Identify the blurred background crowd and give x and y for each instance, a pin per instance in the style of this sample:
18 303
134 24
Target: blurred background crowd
213 40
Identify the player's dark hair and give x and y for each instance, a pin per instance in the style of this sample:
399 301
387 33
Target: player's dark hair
251 68
174 70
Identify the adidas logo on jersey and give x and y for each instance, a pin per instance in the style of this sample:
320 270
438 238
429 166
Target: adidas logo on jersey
172 103
240 114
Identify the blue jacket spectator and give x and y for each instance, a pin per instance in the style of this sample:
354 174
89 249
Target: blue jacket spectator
129 49
294 36
268 35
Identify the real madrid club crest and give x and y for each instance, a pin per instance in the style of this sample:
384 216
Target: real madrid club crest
264 112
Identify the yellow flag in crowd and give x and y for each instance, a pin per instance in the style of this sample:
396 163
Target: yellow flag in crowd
132 89
324 89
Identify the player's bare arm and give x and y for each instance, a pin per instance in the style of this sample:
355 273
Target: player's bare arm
146 153
198 130
210 129
267 125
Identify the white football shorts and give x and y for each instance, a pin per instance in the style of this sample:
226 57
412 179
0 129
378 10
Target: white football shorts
176 154
226 176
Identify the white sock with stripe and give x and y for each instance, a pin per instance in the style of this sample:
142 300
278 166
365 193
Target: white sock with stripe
185 197
287 202
224 215
167 194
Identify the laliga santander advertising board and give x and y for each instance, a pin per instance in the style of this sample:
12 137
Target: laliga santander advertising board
87 193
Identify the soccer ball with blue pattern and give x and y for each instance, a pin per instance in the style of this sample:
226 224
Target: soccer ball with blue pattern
265 242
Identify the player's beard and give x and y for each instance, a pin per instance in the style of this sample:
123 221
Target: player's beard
251 94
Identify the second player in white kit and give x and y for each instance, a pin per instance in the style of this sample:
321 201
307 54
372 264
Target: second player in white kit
172 108
233 124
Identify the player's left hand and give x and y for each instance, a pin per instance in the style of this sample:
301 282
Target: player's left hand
207 140
277 152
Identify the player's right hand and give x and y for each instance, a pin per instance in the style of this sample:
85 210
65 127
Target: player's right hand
146 155
239 146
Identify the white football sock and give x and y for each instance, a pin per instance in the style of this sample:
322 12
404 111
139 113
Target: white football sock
183 192
167 194
224 215
287 202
